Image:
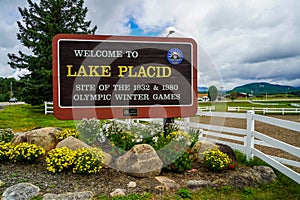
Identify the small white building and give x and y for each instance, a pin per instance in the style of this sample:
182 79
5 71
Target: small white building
205 98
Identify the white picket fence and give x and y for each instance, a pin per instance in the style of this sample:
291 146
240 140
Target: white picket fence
245 140
48 107
265 110
207 108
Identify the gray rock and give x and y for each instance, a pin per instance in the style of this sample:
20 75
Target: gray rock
69 196
20 191
140 161
131 184
252 177
117 192
172 185
194 184
265 174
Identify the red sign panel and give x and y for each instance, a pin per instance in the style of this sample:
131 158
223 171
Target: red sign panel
124 77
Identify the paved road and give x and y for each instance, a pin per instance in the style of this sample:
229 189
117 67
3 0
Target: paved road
7 103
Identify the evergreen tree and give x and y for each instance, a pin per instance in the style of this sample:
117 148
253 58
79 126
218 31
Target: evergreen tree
41 22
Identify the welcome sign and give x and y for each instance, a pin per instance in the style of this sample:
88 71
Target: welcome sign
124 77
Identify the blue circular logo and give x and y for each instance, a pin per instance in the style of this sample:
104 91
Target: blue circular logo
175 56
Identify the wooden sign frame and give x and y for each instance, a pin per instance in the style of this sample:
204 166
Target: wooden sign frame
106 77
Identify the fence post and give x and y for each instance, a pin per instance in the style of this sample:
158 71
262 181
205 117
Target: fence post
249 138
45 107
128 122
186 124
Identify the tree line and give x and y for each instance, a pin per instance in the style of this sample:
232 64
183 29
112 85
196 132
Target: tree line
9 87
40 23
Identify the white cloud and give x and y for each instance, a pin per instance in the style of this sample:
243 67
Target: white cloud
110 16
245 41
19 73
8 39
258 39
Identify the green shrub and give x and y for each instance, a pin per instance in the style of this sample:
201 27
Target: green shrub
60 159
241 159
216 161
177 152
66 133
180 164
171 145
6 135
25 152
88 161
5 151
124 137
184 193
88 130
194 134
120 138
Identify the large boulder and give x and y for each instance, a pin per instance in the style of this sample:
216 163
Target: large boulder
199 148
20 191
72 143
19 138
108 159
140 161
43 137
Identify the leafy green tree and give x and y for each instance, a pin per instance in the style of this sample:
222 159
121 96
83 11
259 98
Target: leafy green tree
40 23
212 93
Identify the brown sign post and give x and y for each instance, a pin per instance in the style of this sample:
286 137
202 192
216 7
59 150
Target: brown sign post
123 77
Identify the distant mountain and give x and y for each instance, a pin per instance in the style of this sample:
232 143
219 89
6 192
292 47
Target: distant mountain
263 87
202 89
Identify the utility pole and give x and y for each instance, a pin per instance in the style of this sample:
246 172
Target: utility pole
168 121
11 92
261 91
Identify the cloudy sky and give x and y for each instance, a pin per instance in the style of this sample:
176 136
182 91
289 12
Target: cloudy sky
239 42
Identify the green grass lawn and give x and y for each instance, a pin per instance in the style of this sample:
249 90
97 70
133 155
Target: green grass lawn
27 117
